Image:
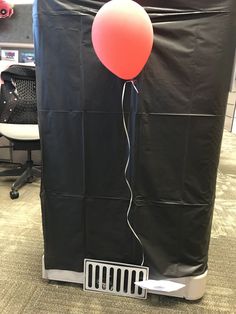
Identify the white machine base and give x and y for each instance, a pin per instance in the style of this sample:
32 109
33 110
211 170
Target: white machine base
194 286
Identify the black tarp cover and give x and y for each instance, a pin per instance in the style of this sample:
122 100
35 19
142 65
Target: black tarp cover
175 124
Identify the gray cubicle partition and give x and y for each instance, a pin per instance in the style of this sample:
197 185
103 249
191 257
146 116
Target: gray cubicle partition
18 28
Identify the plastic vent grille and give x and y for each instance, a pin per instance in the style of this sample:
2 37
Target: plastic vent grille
115 278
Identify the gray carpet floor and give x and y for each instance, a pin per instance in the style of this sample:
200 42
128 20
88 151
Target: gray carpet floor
21 247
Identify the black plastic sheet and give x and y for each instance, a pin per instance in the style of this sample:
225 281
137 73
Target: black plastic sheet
175 124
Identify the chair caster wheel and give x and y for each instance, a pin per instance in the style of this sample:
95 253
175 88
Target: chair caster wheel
30 179
14 195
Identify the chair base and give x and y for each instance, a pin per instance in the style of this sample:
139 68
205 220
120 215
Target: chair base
26 174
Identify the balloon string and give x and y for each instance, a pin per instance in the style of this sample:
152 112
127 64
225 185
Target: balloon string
127 165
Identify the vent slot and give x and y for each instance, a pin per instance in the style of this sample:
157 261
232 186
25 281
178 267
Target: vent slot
115 278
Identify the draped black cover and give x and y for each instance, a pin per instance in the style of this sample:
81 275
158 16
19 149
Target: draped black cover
175 124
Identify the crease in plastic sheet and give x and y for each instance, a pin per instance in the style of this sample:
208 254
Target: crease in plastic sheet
175 126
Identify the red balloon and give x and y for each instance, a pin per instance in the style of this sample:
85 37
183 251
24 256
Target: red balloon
122 37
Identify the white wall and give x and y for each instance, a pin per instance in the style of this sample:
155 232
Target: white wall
15 2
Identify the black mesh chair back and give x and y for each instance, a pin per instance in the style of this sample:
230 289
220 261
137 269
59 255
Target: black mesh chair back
18 101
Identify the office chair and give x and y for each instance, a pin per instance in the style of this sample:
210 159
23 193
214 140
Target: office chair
18 120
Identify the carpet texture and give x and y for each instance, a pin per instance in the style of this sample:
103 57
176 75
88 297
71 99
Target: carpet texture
21 247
